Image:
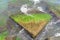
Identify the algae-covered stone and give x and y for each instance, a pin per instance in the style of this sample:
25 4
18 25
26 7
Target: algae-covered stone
34 24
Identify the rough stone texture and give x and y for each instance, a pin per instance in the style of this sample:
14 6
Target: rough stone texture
2 29
10 37
54 38
13 27
24 35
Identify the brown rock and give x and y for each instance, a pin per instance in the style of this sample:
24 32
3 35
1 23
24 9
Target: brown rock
34 28
10 37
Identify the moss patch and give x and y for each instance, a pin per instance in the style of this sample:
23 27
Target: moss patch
36 17
3 35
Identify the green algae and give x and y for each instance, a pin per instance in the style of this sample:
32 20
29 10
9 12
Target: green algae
36 17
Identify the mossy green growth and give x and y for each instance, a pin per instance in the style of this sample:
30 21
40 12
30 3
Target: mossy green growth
18 38
35 17
3 35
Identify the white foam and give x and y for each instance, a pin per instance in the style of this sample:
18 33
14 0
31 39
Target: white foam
36 1
57 35
40 9
24 9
